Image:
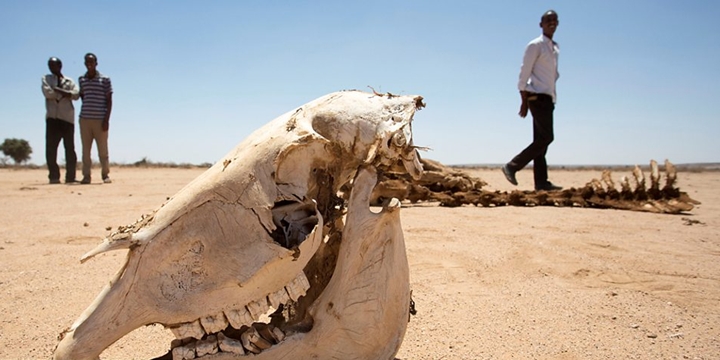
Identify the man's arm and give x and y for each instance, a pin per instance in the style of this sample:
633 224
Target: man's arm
73 91
108 102
48 90
81 93
532 51
523 104
106 121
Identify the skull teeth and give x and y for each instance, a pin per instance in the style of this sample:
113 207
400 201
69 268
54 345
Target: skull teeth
213 324
230 345
207 346
238 318
186 352
251 339
256 337
278 298
258 308
298 287
185 330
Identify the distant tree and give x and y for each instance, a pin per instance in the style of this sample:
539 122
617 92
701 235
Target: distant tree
18 149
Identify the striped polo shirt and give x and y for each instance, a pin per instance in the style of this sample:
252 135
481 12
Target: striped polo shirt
93 92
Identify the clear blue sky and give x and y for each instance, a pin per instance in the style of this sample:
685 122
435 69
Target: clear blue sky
194 78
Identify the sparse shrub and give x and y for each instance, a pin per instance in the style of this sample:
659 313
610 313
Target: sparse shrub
18 149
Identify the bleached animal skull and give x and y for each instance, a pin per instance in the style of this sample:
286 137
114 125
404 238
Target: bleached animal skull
282 223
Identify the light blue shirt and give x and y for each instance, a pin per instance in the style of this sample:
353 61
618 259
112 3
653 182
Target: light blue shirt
539 70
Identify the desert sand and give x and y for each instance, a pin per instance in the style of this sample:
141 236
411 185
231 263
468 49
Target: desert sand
488 283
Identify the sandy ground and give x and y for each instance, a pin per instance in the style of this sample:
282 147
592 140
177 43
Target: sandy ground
488 283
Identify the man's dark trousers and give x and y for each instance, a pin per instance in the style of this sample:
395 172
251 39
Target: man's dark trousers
56 130
541 107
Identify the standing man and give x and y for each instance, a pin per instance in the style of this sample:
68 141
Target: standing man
59 93
96 93
538 75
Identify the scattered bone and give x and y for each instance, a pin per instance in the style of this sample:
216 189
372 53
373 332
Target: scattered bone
450 188
639 177
597 187
654 175
207 346
213 324
625 186
238 318
671 174
186 352
229 345
688 221
607 179
185 330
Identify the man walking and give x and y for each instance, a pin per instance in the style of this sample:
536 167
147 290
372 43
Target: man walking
59 92
538 75
96 93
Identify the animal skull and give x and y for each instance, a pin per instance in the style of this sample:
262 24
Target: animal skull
282 225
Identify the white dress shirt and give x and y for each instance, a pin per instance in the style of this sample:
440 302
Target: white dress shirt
539 70
58 106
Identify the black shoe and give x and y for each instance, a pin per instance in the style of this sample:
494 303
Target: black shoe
71 181
54 181
548 186
85 181
509 174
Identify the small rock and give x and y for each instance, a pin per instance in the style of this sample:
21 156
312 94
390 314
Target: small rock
86 224
652 336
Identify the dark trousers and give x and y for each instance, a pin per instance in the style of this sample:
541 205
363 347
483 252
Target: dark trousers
56 130
541 108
